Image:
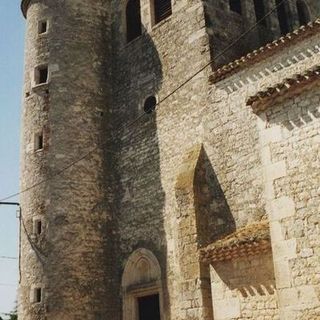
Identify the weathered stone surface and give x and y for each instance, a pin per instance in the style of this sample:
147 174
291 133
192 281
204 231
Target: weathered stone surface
158 187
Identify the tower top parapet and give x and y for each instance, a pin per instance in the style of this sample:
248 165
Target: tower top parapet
24 7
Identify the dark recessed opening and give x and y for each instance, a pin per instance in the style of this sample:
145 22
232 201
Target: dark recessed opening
303 12
43 75
38 295
39 227
260 12
133 20
235 5
162 10
43 27
149 307
38 145
27 94
282 11
150 104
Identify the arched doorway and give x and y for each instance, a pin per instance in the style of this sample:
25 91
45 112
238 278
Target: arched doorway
142 287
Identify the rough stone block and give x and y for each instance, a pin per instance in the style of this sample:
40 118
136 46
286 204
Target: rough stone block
281 208
227 309
275 171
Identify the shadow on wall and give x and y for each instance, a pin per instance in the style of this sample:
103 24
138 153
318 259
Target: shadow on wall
250 276
262 20
139 196
213 215
283 115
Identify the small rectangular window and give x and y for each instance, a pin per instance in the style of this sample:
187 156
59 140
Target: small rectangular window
37 227
38 141
43 27
37 295
41 75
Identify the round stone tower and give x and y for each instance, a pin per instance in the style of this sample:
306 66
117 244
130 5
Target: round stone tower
67 257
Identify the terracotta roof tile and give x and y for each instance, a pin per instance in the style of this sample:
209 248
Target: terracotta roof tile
250 240
262 100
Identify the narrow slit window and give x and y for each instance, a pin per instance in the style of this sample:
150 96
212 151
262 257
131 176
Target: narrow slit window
303 12
260 12
37 295
133 17
235 6
283 17
162 10
38 141
43 27
37 227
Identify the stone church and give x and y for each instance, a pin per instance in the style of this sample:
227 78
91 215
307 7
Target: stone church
170 160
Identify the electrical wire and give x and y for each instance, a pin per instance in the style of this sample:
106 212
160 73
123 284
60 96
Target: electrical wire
8 258
8 285
126 126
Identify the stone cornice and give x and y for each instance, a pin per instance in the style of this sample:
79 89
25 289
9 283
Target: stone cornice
288 87
24 7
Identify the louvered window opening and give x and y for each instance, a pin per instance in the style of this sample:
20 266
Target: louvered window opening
162 9
133 16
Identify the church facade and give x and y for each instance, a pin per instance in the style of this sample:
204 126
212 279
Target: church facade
170 160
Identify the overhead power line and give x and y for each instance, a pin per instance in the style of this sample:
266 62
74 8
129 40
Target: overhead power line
8 258
125 126
8 285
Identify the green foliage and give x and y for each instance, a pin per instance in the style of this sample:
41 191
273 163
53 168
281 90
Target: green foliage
13 316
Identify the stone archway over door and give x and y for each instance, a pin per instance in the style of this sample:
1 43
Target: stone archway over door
142 287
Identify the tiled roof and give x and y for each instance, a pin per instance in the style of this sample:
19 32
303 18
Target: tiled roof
262 100
265 51
247 241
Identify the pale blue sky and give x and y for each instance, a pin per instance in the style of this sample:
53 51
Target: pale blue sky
11 73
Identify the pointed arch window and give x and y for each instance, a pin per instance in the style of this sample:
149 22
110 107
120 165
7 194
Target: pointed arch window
133 17
303 12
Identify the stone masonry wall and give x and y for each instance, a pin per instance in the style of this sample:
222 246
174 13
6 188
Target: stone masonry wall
218 13
154 64
244 289
70 260
294 206
242 85
124 195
